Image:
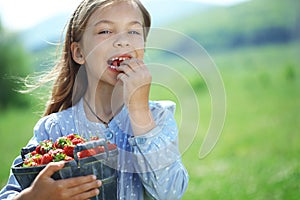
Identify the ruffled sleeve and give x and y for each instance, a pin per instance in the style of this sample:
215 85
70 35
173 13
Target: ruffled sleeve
47 128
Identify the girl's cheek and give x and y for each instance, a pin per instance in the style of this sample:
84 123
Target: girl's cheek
140 50
140 54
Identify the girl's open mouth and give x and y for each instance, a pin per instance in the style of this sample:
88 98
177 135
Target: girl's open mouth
115 62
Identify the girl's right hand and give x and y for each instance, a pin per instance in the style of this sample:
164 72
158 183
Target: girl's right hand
46 188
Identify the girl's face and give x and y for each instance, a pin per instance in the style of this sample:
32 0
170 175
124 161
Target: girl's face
113 34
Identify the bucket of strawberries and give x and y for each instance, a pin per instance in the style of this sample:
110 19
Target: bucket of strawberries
82 157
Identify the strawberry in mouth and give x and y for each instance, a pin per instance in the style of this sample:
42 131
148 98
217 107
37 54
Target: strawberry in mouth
115 62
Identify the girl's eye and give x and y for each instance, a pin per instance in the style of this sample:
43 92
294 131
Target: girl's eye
105 32
134 33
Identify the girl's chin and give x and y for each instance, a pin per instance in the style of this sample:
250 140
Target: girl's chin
110 76
110 82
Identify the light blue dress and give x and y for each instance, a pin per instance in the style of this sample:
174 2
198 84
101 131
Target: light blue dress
149 165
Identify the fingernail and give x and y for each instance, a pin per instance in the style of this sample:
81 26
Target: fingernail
99 182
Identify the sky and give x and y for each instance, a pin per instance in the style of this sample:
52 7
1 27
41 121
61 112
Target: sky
20 15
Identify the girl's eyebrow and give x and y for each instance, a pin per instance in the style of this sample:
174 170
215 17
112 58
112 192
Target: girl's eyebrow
111 22
103 22
136 22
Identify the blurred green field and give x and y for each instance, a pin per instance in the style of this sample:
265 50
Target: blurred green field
16 128
256 156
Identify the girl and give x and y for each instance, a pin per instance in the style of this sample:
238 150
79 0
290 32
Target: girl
102 88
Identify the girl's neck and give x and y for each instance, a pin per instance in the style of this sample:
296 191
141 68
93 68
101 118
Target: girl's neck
105 100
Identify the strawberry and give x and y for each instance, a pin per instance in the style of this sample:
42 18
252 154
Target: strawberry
46 158
99 149
111 146
38 149
68 158
44 147
58 155
30 164
78 140
62 149
33 153
72 136
61 142
86 153
37 158
32 160
94 138
69 150
26 163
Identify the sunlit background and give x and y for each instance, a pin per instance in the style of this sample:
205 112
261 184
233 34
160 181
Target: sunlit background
255 46
20 15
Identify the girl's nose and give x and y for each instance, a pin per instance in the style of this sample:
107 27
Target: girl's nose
122 41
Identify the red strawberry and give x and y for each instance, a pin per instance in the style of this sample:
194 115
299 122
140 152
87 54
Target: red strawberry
99 149
62 149
111 146
30 164
44 147
86 153
73 135
78 140
61 142
38 149
68 158
69 150
75 138
32 161
94 138
46 159
33 153
26 162
37 158
57 154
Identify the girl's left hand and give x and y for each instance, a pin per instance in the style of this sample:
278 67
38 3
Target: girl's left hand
136 80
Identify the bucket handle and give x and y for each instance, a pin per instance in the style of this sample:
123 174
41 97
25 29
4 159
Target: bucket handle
26 150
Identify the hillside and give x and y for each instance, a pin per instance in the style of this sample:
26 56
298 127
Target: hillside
39 36
251 23
216 28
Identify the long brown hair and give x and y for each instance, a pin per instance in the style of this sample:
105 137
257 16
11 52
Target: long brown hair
65 71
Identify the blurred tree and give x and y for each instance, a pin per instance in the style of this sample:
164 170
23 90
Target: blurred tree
253 23
14 63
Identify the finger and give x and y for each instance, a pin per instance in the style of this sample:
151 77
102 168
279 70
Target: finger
125 68
86 195
77 181
85 187
133 63
51 168
122 76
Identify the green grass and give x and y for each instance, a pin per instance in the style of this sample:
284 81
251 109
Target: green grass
256 156
16 128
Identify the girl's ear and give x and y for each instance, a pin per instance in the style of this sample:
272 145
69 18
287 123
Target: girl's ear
77 55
